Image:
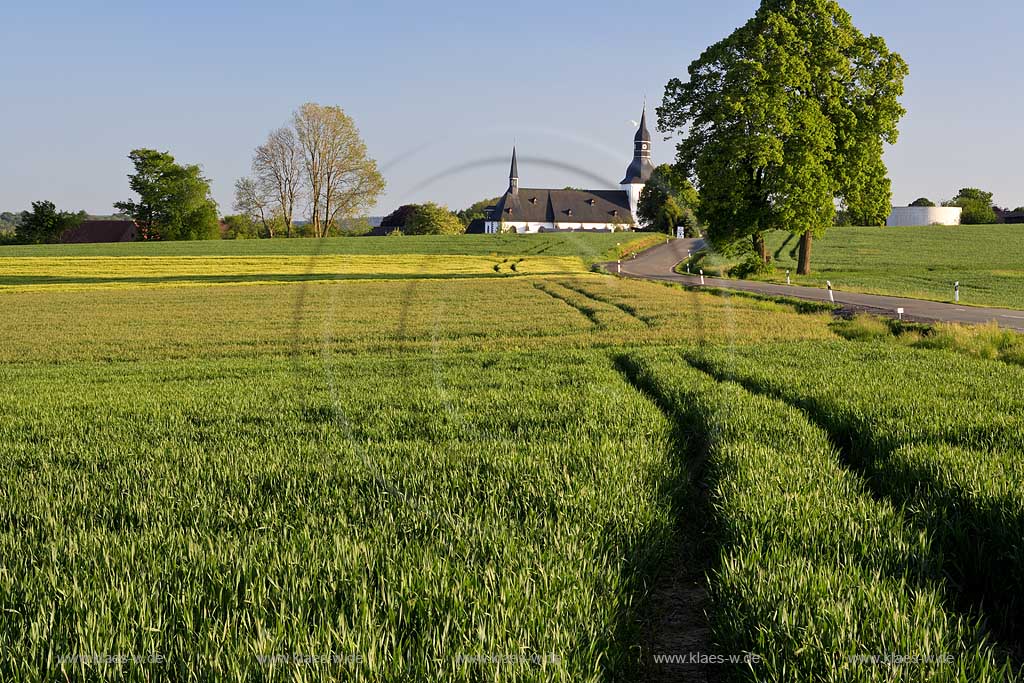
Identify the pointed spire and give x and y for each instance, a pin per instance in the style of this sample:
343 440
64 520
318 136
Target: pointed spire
640 169
513 174
642 134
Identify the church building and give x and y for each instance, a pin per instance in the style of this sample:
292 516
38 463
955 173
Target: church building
530 210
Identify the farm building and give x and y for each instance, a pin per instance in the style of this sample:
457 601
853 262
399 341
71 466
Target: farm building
924 215
530 210
101 231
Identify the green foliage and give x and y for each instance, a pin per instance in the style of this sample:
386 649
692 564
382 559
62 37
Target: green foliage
667 200
842 219
44 224
922 201
475 211
863 327
240 227
9 222
750 266
432 219
174 201
976 204
783 117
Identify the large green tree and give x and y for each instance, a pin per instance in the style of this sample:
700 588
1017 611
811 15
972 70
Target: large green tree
782 119
44 223
976 204
667 200
174 201
432 219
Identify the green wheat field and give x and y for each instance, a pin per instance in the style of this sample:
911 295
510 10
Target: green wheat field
474 459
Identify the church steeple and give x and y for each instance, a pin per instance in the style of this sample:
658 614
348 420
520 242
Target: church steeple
513 174
641 168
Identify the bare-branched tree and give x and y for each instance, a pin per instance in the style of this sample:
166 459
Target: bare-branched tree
341 178
277 167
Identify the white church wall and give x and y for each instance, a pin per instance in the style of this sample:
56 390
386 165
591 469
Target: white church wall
633 190
521 227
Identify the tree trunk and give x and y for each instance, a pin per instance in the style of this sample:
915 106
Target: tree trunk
760 248
804 267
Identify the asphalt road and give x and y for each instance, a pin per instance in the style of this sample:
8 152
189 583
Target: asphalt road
658 263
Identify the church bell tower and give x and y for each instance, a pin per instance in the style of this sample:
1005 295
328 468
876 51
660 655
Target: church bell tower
641 168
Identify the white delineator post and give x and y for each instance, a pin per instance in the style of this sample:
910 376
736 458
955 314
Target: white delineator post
899 312
956 291
618 266
702 276
831 296
788 282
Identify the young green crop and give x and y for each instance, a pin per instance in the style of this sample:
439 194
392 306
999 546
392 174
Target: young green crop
487 517
814 576
940 434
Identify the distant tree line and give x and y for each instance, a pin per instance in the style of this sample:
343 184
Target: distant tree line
978 207
427 219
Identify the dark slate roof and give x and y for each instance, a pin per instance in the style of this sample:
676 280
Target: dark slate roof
100 231
564 206
1014 217
476 227
642 134
639 171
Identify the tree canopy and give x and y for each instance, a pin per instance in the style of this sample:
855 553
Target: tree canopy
782 119
174 201
341 180
475 210
432 219
44 224
976 204
922 201
667 201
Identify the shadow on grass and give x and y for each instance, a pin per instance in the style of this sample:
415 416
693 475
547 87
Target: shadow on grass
30 280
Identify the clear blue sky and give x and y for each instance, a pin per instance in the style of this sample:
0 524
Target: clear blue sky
441 91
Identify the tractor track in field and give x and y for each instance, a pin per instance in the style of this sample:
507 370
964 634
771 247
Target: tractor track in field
589 313
675 622
625 308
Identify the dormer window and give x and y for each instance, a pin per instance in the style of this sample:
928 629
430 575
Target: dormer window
615 212
533 200
508 210
569 212
591 202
